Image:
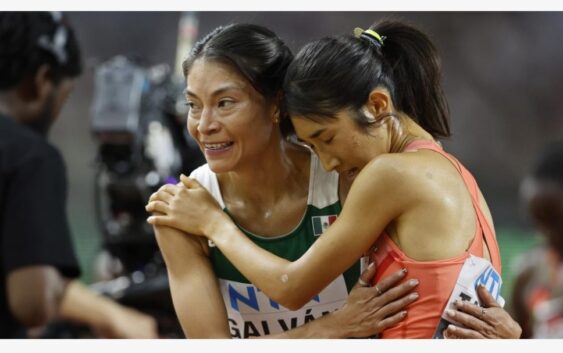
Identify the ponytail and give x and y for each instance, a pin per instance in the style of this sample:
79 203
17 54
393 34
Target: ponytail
339 72
413 65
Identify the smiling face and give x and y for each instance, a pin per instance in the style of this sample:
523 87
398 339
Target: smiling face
231 121
340 143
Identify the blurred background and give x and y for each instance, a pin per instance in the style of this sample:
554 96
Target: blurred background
502 74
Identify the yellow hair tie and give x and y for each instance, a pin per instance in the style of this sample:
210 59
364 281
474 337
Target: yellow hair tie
370 34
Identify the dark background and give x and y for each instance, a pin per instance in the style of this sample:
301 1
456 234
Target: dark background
502 74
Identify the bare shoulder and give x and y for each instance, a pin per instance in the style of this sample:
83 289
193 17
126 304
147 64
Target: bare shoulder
175 243
408 178
390 178
391 168
381 192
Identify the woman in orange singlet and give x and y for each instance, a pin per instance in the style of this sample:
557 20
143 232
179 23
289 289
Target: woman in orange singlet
372 107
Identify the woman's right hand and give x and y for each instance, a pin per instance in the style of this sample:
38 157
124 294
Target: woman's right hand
489 321
370 310
188 207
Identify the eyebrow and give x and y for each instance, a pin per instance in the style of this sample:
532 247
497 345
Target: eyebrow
217 92
317 133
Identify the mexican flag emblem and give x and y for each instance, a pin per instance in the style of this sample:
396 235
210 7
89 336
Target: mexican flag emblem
321 223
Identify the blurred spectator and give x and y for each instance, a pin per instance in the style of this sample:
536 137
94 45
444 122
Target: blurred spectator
538 290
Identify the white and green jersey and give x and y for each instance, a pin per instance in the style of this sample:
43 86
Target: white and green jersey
251 312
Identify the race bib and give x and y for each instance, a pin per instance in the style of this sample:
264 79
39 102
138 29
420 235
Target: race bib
475 271
252 313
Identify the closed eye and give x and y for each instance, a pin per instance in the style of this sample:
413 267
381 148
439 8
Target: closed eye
305 143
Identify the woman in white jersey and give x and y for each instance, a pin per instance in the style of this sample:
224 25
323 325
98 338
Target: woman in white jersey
275 191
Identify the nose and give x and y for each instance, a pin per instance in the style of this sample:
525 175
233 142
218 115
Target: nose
207 123
329 162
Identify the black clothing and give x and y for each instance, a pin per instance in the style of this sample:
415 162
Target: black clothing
33 222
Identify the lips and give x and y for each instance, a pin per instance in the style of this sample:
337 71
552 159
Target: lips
217 149
218 146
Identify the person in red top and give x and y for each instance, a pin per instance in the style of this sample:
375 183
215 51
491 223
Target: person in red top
371 106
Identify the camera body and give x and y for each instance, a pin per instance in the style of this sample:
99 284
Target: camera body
138 119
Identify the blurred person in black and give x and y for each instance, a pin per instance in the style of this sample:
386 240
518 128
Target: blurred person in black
39 60
538 290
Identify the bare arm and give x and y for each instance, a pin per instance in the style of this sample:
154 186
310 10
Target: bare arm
367 312
106 317
202 313
291 283
196 294
34 294
194 287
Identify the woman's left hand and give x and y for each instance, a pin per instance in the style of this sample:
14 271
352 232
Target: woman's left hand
188 207
489 321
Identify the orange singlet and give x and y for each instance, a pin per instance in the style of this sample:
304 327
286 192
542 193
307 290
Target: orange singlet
437 278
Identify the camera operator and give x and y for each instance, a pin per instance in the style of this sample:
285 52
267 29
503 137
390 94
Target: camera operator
39 60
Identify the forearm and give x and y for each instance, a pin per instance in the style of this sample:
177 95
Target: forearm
35 294
272 274
104 316
84 306
368 311
292 284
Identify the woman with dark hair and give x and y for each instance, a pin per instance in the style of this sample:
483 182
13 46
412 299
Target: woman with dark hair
272 189
372 108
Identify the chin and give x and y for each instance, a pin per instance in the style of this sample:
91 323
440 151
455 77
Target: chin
219 167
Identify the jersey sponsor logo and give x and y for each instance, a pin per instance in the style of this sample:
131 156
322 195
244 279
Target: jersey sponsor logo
475 271
491 280
321 223
252 313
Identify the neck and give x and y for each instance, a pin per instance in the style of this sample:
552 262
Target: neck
274 174
404 130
